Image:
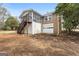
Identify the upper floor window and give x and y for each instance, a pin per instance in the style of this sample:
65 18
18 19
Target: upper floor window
49 17
30 15
36 17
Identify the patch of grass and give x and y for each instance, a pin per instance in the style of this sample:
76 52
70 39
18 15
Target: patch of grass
7 32
6 40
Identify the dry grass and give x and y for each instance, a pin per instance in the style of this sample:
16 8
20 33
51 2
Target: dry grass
7 32
38 45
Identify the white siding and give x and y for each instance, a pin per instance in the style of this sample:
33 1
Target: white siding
36 27
29 29
48 28
48 31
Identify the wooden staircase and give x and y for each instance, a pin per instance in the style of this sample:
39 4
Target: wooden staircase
21 27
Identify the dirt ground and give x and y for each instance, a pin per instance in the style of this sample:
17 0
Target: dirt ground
39 45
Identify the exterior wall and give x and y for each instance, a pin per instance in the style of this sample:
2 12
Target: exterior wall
48 23
36 27
28 30
48 28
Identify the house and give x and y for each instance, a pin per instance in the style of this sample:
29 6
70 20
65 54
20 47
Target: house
33 23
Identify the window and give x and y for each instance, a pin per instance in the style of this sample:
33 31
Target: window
49 17
36 18
30 16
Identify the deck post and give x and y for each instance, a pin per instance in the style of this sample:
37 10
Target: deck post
42 25
27 23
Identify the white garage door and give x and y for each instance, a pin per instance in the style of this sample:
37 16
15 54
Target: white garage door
48 28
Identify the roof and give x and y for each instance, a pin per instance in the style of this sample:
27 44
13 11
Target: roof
25 12
49 13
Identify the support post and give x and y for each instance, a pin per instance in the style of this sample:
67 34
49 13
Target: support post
57 24
27 23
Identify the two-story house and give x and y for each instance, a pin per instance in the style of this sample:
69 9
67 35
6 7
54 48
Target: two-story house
33 23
